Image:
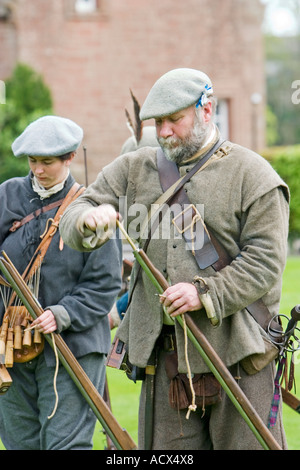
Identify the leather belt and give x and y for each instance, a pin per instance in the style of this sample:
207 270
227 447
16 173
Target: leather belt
206 255
18 223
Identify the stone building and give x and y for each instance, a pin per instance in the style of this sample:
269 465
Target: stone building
92 52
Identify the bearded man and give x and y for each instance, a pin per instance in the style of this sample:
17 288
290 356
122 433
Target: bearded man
246 208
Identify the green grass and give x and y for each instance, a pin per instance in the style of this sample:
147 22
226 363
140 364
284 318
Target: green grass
124 398
124 394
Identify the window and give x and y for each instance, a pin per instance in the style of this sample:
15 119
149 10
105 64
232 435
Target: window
85 6
222 117
85 9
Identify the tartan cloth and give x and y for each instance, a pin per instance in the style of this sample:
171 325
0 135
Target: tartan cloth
276 397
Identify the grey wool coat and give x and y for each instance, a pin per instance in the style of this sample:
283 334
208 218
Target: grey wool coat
246 204
79 288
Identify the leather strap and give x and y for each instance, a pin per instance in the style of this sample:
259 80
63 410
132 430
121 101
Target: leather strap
41 250
18 223
207 255
172 173
169 173
210 253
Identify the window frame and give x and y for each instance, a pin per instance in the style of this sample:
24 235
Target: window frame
222 117
100 11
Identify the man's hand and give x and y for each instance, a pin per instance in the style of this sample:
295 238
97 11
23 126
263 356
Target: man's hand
101 218
45 323
97 225
181 298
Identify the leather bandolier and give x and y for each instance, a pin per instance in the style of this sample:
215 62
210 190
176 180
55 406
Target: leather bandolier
18 343
169 173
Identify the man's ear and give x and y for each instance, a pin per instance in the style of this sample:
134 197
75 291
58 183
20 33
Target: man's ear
207 112
69 161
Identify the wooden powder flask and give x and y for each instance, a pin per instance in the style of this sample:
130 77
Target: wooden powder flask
21 343
17 343
3 336
5 380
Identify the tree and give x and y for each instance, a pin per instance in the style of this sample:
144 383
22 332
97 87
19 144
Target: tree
282 17
282 71
27 98
282 41
272 127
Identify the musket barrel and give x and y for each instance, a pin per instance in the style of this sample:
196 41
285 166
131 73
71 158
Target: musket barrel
156 273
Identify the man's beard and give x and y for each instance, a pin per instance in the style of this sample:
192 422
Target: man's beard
177 150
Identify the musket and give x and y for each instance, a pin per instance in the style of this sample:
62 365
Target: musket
209 355
291 400
285 344
289 333
118 435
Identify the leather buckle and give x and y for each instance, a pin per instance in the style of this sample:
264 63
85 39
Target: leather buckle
16 224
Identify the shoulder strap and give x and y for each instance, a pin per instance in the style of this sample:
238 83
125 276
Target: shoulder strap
41 250
18 223
169 176
168 172
47 237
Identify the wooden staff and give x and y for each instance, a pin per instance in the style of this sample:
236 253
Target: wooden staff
118 435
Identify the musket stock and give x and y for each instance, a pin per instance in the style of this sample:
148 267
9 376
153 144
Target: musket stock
118 435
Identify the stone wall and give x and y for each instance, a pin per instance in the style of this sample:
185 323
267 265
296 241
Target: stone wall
91 62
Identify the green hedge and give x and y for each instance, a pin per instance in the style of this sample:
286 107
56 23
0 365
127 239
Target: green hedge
286 161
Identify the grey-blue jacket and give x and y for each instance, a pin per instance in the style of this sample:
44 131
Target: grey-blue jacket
79 288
